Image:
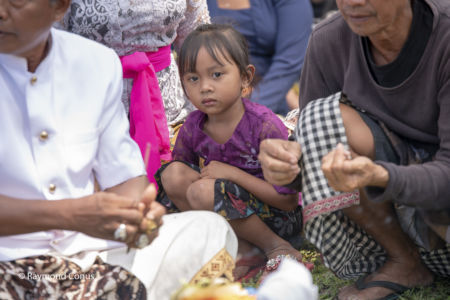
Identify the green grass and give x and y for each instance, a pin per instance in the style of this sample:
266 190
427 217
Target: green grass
329 284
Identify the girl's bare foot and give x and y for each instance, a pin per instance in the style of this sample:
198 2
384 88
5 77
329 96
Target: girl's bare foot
274 256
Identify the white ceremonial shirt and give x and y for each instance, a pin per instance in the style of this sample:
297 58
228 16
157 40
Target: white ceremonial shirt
58 127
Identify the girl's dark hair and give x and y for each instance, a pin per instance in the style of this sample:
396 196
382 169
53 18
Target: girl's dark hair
217 39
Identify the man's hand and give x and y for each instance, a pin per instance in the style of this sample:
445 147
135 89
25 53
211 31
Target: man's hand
154 212
279 160
347 174
100 214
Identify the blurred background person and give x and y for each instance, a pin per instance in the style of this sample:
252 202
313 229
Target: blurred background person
321 8
277 33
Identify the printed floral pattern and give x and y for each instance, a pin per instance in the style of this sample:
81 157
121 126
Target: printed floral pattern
233 202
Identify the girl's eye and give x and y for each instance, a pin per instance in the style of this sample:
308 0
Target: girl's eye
217 74
192 78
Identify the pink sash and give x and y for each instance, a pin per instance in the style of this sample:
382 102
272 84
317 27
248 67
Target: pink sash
148 123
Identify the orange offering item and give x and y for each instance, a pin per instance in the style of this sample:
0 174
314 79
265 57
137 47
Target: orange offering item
219 289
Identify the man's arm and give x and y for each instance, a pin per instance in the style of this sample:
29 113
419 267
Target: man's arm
132 188
97 215
23 216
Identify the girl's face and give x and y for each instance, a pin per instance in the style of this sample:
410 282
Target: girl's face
214 87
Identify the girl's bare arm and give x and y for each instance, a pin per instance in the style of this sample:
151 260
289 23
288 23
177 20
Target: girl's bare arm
262 190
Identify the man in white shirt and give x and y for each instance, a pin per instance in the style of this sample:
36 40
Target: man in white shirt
62 125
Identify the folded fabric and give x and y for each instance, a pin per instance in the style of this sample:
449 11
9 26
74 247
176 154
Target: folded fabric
148 123
291 281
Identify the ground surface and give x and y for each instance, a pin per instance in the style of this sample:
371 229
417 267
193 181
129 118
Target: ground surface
329 284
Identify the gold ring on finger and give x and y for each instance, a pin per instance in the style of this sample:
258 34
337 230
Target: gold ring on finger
142 241
120 233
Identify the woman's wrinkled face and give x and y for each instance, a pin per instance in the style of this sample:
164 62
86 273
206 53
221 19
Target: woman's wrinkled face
369 17
25 24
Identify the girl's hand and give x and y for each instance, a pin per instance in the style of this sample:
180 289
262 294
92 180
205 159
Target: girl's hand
346 174
215 170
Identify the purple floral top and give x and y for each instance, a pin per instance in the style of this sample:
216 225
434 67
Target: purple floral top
241 150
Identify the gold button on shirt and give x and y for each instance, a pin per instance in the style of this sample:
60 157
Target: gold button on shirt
43 135
33 80
52 188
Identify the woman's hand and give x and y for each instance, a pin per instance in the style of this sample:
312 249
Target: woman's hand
279 160
347 174
215 170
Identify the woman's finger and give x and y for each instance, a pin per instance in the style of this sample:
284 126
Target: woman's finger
333 167
279 150
328 168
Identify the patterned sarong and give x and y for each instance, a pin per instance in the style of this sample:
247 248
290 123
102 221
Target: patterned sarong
232 202
53 277
346 249
191 247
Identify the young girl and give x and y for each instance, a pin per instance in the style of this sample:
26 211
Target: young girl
216 163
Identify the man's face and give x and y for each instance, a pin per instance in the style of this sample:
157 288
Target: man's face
369 17
25 24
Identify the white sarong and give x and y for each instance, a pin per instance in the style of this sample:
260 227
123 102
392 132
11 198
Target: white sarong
190 246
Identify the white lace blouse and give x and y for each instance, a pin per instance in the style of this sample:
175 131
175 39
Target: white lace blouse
130 26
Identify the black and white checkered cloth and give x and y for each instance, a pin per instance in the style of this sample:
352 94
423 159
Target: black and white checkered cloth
319 130
346 249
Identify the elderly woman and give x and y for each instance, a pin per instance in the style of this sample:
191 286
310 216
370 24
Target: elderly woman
62 122
369 201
